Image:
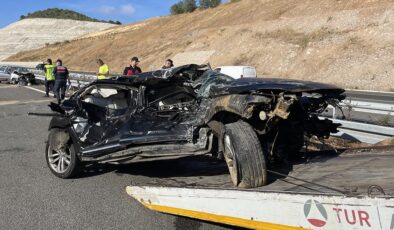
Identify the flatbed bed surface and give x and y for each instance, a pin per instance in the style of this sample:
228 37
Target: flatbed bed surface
352 171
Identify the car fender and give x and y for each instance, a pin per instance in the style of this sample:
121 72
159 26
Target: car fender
241 105
59 122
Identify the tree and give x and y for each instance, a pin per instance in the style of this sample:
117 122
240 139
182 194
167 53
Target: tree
184 6
61 14
189 5
205 4
177 8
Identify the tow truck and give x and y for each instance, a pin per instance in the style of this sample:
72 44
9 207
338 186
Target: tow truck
353 189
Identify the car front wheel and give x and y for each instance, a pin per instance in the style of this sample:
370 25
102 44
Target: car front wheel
62 160
244 155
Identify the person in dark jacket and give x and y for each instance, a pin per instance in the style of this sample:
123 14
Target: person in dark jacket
133 69
61 78
169 64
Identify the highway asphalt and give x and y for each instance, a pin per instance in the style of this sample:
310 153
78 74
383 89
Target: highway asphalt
32 198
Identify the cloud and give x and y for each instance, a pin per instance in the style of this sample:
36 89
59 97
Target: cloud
126 9
106 9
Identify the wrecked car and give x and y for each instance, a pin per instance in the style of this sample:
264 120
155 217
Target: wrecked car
22 76
185 111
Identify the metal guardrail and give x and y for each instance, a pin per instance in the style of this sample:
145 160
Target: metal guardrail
370 107
74 83
365 107
363 132
77 79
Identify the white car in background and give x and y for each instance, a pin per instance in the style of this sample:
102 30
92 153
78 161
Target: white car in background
22 76
5 73
237 71
11 74
16 73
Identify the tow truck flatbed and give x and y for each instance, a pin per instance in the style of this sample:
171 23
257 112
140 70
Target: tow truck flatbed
325 190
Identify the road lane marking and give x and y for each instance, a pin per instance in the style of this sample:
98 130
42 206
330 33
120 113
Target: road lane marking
42 91
13 102
38 90
7 86
8 102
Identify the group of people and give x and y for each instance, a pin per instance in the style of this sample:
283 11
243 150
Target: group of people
57 76
132 69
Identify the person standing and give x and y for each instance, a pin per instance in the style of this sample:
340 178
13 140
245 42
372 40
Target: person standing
168 65
49 77
103 72
133 69
61 78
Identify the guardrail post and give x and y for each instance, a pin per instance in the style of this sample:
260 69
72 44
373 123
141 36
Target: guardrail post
334 113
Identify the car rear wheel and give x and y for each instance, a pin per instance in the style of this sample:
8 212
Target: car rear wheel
62 161
244 155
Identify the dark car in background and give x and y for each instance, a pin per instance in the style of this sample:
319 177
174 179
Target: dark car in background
40 66
189 110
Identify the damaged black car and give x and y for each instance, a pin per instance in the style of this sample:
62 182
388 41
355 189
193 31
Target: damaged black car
189 110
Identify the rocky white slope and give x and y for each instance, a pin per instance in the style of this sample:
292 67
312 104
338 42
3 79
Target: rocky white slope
34 33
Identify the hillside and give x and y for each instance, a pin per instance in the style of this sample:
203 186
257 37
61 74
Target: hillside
349 43
63 14
34 33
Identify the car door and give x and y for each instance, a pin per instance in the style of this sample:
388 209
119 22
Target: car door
103 114
4 74
165 117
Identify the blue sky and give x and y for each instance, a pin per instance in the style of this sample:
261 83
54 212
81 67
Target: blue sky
124 11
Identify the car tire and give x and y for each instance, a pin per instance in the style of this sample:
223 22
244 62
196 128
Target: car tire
244 155
13 81
64 162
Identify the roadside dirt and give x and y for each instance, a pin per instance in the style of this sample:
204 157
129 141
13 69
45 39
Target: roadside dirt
339 144
388 141
333 143
349 43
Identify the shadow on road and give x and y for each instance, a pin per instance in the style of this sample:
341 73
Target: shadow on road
197 171
184 167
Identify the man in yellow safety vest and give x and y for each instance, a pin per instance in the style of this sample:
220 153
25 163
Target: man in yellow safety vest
49 77
103 72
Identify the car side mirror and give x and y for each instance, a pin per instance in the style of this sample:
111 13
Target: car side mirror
69 104
56 108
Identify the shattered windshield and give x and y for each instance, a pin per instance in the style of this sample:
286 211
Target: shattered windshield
208 80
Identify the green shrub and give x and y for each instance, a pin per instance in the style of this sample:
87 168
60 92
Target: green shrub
187 6
63 14
177 8
205 4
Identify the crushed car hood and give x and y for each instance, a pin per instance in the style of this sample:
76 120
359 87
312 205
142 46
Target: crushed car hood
244 85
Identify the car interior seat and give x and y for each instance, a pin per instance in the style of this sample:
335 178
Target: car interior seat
118 101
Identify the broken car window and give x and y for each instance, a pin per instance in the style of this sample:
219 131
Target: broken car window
116 100
208 80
